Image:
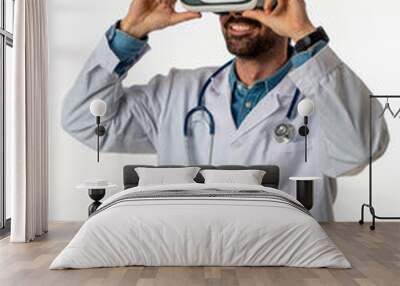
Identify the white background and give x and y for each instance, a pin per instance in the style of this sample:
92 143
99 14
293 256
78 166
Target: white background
363 32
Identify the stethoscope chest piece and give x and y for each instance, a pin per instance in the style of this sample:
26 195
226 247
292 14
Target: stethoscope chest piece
284 133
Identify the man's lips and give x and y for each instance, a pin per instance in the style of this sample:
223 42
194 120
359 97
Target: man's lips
241 26
240 29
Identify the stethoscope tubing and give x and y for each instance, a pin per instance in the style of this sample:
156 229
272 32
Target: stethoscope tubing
292 106
201 103
211 144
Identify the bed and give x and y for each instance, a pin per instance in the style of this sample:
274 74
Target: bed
201 224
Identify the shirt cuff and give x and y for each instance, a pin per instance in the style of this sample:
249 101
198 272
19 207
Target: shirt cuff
127 48
301 58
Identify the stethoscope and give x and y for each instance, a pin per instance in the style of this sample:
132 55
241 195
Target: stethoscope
283 133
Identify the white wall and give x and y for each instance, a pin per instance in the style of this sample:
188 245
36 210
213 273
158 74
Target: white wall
363 33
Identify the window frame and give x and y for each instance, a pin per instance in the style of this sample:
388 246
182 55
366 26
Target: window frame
6 39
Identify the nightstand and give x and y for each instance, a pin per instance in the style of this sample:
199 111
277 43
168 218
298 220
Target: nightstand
305 190
96 192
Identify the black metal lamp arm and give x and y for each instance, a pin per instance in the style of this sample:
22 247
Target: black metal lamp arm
304 131
100 131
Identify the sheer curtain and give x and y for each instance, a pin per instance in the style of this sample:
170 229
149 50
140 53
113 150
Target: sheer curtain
28 123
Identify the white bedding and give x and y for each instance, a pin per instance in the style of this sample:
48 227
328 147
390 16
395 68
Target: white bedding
200 231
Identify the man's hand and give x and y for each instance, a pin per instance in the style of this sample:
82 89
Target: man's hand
288 19
145 16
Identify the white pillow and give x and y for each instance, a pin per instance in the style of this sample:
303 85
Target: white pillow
166 176
247 177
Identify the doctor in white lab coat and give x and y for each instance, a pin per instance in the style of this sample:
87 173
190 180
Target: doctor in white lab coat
150 118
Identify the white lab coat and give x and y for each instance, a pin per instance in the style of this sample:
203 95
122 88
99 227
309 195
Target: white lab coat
149 118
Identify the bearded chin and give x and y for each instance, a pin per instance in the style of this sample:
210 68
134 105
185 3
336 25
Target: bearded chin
249 48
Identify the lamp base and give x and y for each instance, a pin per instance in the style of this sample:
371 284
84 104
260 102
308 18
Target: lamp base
100 130
305 193
96 195
304 131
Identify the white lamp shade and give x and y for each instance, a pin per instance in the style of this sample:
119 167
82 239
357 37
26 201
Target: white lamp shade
305 107
98 107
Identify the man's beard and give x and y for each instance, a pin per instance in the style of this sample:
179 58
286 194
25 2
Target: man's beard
252 46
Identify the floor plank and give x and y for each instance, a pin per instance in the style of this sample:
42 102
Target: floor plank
375 257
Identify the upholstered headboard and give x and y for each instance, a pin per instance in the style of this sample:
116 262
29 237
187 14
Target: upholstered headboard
271 178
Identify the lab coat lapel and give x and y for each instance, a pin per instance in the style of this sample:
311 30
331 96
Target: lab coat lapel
219 100
277 99
264 109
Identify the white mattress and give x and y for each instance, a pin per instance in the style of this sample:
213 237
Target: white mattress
200 232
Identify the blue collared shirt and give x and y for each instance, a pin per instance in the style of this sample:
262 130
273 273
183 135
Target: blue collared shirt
244 99
125 47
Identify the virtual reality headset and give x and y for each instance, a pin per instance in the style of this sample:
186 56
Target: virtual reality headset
222 6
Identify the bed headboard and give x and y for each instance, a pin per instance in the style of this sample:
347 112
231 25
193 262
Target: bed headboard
271 178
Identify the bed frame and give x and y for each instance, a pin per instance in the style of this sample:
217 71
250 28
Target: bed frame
271 178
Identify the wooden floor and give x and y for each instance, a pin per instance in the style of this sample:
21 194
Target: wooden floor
375 257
